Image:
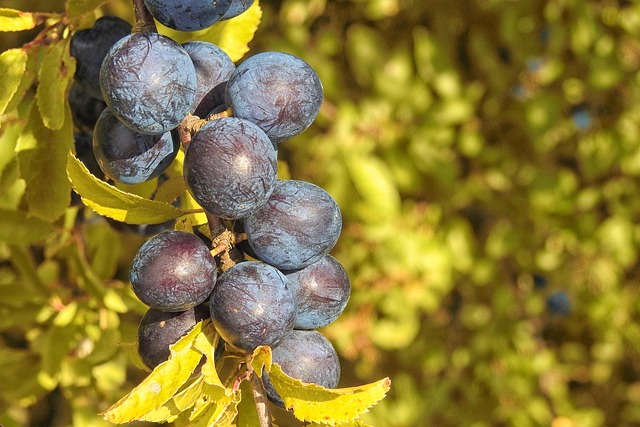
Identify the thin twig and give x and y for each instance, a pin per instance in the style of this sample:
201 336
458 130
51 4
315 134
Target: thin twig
262 402
216 226
188 127
144 19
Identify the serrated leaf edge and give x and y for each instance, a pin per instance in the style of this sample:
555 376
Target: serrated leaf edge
183 344
384 383
100 209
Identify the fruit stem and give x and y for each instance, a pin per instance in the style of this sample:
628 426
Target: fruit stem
223 242
260 397
192 124
188 127
226 113
216 225
144 20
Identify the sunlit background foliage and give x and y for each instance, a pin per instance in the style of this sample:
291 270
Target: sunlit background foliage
486 158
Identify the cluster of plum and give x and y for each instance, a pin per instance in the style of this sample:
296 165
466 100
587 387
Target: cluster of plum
285 285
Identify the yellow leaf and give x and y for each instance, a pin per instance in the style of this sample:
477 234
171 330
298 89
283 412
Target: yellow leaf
310 402
232 36
161 385
206 343
109 201
182 401
16 20
261 358
35 55
13 63
220 412
170 190
76 8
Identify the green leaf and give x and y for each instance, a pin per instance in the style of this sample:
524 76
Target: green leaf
85 276
21 230
374 183
54 346
8 139
161 385
16 20
17 369
12 187
114 302
109 201
76 8
24 263
232 36
66 315
13 63
56 75
310 402
35 55
104 249
42 160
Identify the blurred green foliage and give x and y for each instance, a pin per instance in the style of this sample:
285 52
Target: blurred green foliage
484 154
478 149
